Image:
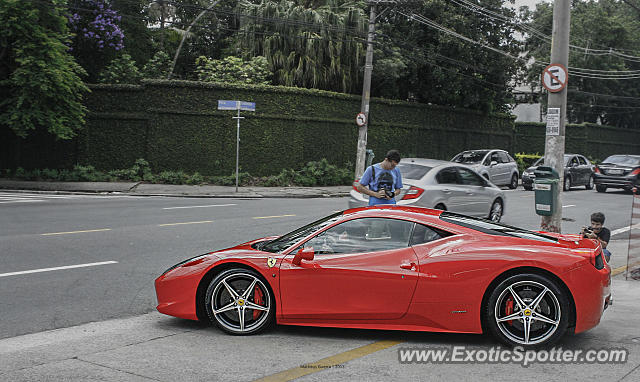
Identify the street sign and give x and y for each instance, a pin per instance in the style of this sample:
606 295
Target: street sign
236 105
553 121
361 119
554 78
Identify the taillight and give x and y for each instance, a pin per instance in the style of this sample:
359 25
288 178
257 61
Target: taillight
354 184
636 171
413 193
596 170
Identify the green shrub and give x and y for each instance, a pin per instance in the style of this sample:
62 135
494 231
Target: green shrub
526 160
172 177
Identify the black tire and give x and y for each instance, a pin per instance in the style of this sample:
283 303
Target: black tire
566 185
514 182
527 188
589 185
601 188
553 307
495 214
440 206
235 314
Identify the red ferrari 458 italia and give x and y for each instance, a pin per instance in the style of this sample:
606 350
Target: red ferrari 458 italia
400 268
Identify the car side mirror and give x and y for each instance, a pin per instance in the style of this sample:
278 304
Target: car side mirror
303 254
493 163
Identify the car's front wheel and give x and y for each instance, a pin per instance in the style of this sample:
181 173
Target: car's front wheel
601 188
567 184
527 310
496 211
238 301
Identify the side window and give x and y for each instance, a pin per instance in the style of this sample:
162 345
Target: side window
470 178
495 157
583 161
423 234
447 176
362 235
503 157
510 158
487 161
574 162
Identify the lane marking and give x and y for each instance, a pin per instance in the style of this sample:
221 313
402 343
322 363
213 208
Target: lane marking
625 229
618 270
211 205
57 268
569 205
70 232
274 216
201 222
326 363
23 201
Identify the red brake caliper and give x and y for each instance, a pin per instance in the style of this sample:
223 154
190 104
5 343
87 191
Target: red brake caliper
257 299
508 309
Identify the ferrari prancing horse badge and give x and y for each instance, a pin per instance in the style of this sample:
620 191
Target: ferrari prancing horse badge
271 262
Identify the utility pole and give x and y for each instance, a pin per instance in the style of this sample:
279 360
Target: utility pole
366 87
554 143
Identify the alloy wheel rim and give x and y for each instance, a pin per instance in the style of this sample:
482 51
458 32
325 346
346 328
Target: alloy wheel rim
241 302
514 182
496 212
533 315
591 182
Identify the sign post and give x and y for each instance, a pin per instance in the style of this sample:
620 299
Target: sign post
237 105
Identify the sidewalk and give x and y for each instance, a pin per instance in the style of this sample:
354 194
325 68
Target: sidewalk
157 347
144 189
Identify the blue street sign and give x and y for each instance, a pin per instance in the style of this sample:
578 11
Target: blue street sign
235 105
247 106
227 105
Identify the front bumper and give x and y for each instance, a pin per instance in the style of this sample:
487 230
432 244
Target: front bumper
527 180
617 181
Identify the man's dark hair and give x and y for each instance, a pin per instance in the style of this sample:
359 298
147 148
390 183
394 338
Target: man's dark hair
597 217
393 155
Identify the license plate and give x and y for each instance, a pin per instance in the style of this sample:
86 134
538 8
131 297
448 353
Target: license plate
615 172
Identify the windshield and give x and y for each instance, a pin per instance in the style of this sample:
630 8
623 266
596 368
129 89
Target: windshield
493 228
286 241
470 156
623 160
412 171
540 161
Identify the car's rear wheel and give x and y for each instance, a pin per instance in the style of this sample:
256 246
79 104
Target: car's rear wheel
527 188
567 183
514 182
238 301
527 310
601 188
496 211
589 185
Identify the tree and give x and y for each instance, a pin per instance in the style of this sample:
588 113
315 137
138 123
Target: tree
605 36
234 70
158 66
319 47
419 62
122 70
41 81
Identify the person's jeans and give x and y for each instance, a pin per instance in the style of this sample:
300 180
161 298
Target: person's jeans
607 254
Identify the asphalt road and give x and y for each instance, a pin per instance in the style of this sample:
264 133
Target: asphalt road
125 242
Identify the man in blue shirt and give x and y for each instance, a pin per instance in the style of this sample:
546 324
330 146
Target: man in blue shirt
383 179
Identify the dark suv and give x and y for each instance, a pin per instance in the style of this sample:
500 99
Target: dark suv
618 171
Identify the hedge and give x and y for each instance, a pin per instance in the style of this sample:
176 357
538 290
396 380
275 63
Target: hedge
176 126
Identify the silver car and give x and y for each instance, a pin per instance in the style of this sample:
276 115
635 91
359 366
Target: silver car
444 185
496 165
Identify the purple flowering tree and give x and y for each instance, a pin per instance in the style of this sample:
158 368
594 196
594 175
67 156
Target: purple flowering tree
97 34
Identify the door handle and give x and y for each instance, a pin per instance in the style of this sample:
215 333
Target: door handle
446 191
411 266
469 192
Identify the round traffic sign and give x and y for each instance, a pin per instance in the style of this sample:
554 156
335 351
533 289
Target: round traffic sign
554 78
361 119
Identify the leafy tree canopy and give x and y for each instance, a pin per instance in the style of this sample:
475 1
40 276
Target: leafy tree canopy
234 70
40 80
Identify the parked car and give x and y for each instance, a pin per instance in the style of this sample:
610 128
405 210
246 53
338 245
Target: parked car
618 171
496 165
578 171
401 268
445 186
